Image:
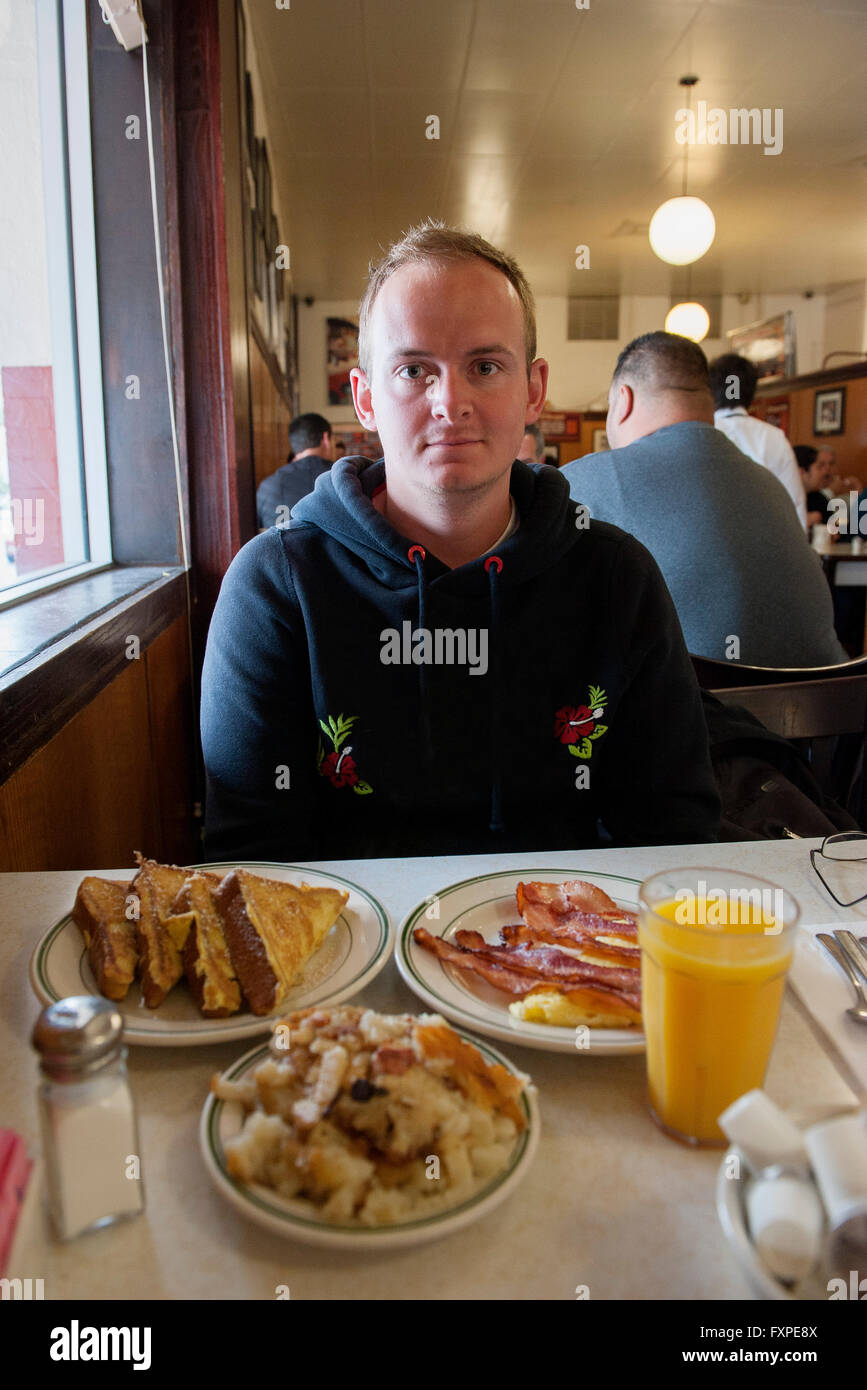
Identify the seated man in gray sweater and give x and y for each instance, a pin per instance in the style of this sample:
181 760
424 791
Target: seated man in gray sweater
745 583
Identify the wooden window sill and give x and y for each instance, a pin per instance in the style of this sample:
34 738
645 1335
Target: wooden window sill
62 648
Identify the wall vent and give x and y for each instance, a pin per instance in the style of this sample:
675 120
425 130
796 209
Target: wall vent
593 317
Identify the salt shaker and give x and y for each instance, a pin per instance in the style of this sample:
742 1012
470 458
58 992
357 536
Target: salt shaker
89 1132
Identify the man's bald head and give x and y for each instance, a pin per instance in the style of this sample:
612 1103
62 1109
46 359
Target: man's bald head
660 379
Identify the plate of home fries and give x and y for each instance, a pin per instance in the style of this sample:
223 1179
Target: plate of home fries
359 1130
535 957
214 952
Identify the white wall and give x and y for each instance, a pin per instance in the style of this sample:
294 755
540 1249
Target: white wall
846 322
581 371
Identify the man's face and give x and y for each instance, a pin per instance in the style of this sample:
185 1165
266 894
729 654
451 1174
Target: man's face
448 391
819 472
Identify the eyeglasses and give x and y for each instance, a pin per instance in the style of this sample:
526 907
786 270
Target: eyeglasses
850 847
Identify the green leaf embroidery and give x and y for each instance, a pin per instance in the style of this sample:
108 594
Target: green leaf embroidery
597 697
325 729
362 788
582 749
598 731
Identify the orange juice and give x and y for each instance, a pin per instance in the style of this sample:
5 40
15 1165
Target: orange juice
711 987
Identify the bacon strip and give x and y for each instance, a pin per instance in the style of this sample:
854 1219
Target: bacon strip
573 895
520 969
516 982
550 964
578 934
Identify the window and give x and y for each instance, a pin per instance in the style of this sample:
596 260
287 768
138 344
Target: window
53 483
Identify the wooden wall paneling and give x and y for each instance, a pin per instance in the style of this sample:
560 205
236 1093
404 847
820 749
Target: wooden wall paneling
78 666
172 738
87 799
116 778
270 411
850 448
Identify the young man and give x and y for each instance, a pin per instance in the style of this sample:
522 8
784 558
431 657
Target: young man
440 655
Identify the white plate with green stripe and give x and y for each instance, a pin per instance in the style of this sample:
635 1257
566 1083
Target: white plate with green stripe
299 1220
485 904
353 953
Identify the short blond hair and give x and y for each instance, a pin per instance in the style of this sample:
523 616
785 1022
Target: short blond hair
432 240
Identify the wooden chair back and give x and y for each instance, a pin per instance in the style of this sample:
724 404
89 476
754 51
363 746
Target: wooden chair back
823 708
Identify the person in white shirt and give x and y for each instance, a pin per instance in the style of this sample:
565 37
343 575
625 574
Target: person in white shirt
733 381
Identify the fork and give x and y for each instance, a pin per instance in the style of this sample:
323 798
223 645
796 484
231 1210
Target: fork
859 1011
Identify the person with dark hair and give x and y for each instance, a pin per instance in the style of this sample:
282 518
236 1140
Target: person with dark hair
745 583
312 454
441 654
532 448
816 470
733 382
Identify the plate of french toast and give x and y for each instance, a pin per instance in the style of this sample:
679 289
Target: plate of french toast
534 957
212 952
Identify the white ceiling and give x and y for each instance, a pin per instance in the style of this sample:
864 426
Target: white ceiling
557 128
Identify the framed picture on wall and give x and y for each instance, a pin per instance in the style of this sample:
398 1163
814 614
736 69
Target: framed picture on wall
342 356
600 442
829 411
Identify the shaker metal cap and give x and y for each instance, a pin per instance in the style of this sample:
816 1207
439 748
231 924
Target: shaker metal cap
78 1033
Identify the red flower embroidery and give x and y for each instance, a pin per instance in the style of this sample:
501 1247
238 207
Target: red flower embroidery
572 724
338 766
339 769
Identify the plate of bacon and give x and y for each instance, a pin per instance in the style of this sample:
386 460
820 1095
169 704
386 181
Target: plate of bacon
534 957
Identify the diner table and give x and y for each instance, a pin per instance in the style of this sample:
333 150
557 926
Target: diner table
611 1205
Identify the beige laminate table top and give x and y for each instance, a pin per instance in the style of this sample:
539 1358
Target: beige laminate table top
610 1202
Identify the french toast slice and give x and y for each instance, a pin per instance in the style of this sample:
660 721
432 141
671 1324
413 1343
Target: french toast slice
157 886
206 960
272 928
99 913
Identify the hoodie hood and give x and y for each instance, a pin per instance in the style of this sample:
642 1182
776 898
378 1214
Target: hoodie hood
341 506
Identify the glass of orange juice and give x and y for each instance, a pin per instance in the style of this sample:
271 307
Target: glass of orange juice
715 949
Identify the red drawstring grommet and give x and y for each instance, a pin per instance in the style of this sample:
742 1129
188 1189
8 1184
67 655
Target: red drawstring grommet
414 550
494 560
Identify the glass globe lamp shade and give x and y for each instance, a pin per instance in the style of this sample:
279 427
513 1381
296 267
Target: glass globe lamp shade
690 320
682 230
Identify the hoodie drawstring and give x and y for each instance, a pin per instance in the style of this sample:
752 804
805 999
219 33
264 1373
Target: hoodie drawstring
494 567
416 555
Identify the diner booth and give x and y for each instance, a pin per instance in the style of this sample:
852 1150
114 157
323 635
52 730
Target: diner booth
189 228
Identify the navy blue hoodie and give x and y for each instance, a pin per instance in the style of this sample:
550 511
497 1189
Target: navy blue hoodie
360 698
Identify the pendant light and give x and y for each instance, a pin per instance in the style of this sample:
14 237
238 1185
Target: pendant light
689 319
682 229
